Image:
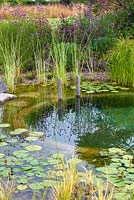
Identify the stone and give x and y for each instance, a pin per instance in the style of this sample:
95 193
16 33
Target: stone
3 86
5 96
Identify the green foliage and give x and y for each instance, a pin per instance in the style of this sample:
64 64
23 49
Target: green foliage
121 62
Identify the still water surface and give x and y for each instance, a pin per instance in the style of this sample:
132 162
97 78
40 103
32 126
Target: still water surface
75 126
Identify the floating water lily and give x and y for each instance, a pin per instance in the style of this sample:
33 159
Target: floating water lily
19 131
33 148
4 125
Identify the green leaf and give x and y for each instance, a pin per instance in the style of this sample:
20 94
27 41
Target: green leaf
2 144
21 187
19 131
36 133
20 153
33 148
30 138
36 186
4 125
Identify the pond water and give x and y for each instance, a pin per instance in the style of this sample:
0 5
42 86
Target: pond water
74 126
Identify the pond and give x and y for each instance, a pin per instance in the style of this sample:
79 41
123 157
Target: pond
79 127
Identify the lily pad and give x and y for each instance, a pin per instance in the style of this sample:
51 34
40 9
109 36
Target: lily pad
36 186
2 144
127 157
2 155
22 187
2 136
20 153
19 131
33 148
36 133
4 125
12 140
30 138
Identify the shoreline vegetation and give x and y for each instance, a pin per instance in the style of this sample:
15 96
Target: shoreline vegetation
41 43
81 40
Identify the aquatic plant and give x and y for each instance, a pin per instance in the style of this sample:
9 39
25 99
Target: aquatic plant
119 172
91 88
12 59
121 62
58 54
6 189
40 64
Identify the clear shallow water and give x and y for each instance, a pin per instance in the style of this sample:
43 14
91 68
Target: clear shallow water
77 126
81 127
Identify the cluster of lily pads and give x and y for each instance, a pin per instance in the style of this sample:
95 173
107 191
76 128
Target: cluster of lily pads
120 172
26 168
91 88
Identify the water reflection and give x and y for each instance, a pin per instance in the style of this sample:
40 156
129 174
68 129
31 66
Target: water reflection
103 121
95 121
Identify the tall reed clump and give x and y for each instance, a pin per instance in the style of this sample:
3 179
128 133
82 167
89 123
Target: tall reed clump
78 185
58 54
40 64
6 189
121 62
11 59
65 189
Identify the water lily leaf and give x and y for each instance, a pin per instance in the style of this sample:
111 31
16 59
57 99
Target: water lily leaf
121 196
30 174
115 150
90 92
34 162
22 180
12 140
24 144
21 187
114 91
36 133
33 148
58 156
131 170
4 125
107 170
27 168
115 165
127 157
48 183
36 186
117 160
3 136
20 153
2 155
30 138
124 88
19 131
2 144
40 175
